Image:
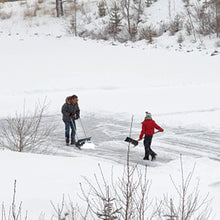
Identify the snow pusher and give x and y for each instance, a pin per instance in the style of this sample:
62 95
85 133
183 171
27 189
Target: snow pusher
80 142
132 141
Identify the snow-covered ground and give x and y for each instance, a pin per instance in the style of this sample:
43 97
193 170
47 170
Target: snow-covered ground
113 83
45 179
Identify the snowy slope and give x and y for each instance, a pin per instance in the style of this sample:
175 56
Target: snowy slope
38 18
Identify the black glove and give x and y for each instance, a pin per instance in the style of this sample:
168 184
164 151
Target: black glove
76 117
72 115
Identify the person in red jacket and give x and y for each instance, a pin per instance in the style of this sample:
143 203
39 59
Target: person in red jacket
148 126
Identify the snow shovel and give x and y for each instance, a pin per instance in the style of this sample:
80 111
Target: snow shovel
132 141
82 141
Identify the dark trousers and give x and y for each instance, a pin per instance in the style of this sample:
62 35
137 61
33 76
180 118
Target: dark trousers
70 125
147 144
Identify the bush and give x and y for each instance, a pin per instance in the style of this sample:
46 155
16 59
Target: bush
176 25
148 33
25 131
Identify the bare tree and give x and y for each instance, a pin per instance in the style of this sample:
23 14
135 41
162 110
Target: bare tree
126 4
59 210
75 8
190 24
188 204
72 211
203 16
126 198
74 18
137 12
215 4
25 131
132 11
217 11
14 213
100 200
59 8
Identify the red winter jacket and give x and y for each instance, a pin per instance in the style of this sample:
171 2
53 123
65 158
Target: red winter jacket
148 127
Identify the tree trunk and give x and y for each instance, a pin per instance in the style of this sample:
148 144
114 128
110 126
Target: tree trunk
217 6
127 8
59 8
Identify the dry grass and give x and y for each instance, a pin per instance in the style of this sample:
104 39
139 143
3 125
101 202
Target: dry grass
30 12
49 11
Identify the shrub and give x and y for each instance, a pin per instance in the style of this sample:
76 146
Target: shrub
176 25
24 131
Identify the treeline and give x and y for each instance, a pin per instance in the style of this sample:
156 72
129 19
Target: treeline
125 20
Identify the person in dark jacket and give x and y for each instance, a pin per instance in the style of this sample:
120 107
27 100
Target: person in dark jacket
148 126
71 112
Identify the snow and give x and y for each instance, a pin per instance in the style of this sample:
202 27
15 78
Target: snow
179 89
88 145
45 179
41 179
113 82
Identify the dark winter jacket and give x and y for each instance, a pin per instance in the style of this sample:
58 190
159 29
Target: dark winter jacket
69 111
148 127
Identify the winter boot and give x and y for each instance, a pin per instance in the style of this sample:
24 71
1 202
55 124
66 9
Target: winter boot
146 157
153 155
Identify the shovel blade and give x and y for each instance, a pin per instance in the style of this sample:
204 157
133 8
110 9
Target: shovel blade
132 141
82 141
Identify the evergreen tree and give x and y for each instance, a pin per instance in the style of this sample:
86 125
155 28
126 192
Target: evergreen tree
115 21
